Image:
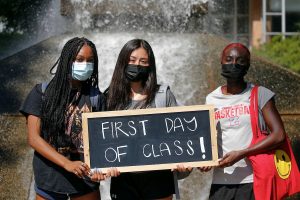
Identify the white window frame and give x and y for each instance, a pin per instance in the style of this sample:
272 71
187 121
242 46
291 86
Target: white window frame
265 14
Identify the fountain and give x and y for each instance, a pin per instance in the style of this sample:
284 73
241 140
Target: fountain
187 57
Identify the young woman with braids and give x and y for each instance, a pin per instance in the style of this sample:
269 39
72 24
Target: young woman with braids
134 86
233 178
54 124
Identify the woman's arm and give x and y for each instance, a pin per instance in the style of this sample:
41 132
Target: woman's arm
46 150
273 140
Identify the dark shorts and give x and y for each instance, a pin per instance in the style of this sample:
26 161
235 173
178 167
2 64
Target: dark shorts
54 195
232 192
144 185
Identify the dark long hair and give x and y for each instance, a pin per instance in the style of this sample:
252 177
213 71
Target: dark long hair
118 92
57 95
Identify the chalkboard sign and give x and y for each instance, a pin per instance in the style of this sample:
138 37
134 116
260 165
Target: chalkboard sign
150 139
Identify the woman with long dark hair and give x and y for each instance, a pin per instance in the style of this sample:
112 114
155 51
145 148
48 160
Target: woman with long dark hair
53 112
134 86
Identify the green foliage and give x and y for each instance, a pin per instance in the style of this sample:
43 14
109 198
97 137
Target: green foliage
285 52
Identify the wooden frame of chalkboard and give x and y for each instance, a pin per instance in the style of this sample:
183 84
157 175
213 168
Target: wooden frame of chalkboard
150 139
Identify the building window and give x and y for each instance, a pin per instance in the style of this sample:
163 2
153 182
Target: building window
280 17
233 18
292 15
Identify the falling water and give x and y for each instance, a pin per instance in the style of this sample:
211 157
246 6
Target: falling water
138 15
128 17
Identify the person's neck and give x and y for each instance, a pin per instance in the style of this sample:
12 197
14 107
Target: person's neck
137 91
234 87
75 84
136 87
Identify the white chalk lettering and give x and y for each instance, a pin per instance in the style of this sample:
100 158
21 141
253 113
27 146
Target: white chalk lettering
112 129
182 124
178 124
131 126
112 155
120 154
192 120
147 156
103 129
167 122
143 124
190 151
179 147
118 126
202 147
154 155
166 148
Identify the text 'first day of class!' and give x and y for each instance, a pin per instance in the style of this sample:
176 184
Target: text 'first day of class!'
149 139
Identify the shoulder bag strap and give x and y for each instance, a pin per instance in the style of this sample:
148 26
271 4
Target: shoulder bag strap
254 113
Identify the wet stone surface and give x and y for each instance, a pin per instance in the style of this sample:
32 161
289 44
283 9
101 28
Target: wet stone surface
15 159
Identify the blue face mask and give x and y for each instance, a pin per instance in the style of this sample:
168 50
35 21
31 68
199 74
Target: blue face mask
82 70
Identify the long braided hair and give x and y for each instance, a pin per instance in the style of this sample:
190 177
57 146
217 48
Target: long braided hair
57 94
118 92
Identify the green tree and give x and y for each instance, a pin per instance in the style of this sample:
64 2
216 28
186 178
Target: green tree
285 52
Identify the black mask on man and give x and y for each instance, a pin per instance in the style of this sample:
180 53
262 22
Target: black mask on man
234 71
137 72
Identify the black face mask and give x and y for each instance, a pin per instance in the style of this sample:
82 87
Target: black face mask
137 72
234 71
